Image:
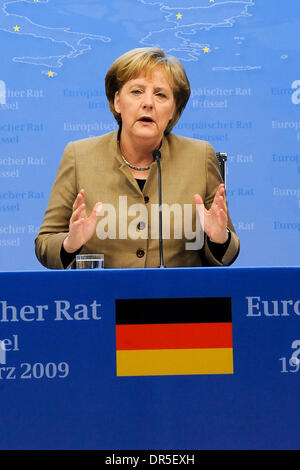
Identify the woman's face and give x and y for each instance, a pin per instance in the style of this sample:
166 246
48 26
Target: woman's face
146 105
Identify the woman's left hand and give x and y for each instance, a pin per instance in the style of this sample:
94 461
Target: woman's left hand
215 218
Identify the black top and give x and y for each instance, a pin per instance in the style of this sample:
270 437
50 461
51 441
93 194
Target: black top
141 184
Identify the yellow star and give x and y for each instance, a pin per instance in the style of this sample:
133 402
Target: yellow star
206 49
36 1
209 0
17 28
179 16
50 73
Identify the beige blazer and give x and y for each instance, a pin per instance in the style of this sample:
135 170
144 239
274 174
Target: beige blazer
188 167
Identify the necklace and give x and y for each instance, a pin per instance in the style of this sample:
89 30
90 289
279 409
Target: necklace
139 168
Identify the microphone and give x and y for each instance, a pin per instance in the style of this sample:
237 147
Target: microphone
156 156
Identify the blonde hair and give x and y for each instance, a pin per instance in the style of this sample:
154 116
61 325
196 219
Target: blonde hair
143 61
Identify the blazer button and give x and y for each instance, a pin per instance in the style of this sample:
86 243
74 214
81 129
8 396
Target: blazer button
146 199
141 226
140 253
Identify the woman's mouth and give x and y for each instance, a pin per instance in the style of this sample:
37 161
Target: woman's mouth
146 120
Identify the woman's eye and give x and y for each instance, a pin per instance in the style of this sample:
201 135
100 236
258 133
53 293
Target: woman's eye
136 92
161 95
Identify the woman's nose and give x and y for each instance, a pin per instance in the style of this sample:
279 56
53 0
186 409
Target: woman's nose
148 100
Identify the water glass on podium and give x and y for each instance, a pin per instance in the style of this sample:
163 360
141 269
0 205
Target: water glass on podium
90 261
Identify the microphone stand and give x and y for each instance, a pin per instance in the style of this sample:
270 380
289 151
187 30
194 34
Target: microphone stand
156 156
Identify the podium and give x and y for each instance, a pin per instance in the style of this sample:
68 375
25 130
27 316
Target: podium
111 359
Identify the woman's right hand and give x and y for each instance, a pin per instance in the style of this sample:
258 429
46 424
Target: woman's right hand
81 227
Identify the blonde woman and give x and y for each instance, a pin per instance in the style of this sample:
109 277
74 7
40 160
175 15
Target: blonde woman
105 197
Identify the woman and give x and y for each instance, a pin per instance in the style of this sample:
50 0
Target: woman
104 199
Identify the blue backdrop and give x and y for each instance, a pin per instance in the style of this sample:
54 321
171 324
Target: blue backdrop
242 58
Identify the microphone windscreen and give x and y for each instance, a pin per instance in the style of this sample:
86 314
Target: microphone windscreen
156 154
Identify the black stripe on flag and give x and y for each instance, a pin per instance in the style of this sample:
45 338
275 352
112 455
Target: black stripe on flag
182 310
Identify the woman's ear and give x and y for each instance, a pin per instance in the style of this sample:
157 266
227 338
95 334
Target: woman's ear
117 102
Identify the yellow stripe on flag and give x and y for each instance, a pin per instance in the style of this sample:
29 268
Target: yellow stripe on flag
174 361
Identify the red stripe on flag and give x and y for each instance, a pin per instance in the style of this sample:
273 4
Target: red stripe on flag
174 336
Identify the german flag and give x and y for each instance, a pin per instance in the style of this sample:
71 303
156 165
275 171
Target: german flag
174 336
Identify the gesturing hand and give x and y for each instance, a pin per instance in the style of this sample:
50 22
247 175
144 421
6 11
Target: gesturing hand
81 227
215 218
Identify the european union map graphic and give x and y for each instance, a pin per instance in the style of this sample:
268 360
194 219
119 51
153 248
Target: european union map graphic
242 61
75 43
191 28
